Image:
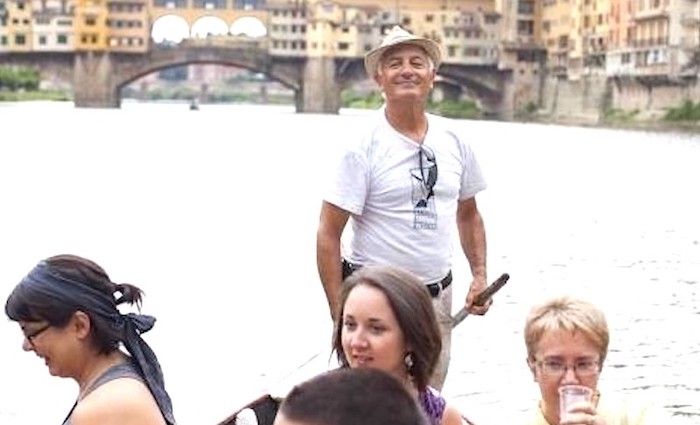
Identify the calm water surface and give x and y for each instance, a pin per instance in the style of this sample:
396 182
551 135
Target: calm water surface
214 212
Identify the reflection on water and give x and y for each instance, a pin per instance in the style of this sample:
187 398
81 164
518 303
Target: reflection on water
214 214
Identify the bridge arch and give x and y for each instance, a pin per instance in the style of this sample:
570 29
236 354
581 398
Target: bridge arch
170 29
249 26
206 26
163 57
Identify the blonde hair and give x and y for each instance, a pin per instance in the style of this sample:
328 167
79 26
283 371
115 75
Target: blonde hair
567 314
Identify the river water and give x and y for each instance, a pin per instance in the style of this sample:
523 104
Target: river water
214 212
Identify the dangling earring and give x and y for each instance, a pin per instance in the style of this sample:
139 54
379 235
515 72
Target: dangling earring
408 361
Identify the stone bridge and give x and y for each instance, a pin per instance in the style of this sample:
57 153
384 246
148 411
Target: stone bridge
99 77
317 82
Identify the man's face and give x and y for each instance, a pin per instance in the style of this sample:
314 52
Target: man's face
405 74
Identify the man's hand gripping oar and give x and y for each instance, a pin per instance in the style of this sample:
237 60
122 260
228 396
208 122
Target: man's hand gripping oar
481 299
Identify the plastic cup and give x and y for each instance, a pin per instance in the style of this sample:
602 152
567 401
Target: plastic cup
572 394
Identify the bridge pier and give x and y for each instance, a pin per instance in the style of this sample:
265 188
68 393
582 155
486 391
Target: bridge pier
319 89
93 81
506 107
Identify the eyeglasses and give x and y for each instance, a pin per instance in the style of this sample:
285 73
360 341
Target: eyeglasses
30 336
432 169
582 368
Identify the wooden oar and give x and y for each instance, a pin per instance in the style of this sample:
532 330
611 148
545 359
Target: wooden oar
481 299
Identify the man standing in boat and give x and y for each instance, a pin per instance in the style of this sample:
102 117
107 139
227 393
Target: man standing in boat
403 186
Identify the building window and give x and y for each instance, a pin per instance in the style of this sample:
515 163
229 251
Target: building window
42 40
343 46
471 51
90 20
62 39
3 40
20 5
20 39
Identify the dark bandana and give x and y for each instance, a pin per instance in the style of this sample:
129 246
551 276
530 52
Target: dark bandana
43 280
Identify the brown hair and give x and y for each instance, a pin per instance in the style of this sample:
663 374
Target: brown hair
411 304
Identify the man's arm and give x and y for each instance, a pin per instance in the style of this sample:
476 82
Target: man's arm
330 229
472 236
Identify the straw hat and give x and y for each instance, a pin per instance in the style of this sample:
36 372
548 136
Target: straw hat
398 36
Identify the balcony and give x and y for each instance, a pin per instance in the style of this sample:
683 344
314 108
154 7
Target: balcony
649 14
649 42
689 20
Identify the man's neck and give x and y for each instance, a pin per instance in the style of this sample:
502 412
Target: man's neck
408 119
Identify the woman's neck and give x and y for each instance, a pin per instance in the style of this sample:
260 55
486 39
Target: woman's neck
94 367
550 413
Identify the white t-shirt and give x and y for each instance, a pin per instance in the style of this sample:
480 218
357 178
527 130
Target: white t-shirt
379 181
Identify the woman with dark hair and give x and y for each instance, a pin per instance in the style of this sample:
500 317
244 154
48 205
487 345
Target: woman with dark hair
67 310
387 322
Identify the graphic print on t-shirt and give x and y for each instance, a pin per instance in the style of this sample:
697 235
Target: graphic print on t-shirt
424 215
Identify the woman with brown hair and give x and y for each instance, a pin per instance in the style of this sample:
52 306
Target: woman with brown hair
387 322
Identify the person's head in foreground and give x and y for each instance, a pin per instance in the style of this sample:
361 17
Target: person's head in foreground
404 66
67 310
567 342
350 397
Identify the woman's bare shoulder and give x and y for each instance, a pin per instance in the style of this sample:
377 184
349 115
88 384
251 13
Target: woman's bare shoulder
124 401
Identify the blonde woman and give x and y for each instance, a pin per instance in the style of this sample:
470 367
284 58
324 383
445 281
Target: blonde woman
567 342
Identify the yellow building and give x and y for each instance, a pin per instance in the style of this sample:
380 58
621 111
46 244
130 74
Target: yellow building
90 25
619 58
128 26
3 26
18 28
595 34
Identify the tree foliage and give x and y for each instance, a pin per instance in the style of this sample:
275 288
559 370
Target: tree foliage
18 78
